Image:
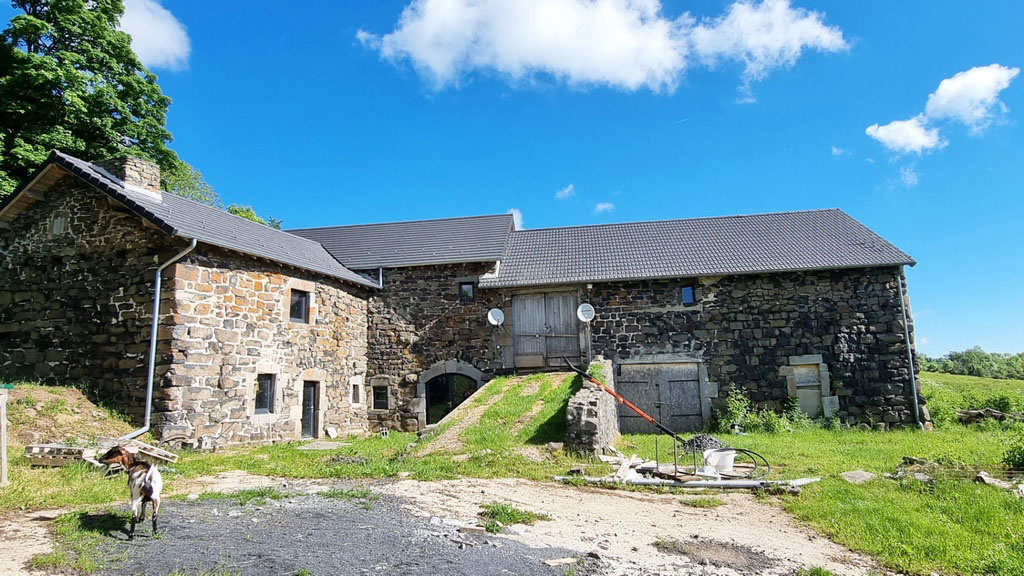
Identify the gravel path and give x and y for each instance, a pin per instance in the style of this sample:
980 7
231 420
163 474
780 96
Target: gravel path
321 535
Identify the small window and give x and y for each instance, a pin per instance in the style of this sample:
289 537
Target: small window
264 393
355 394
58 224
299 306
689 295
466 291
380 397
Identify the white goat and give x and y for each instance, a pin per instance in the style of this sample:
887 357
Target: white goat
144 484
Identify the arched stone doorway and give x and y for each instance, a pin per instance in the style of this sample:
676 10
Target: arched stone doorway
443 387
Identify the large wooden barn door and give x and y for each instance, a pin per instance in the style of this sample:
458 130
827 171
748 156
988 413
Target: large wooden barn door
545 329
563 337
675 386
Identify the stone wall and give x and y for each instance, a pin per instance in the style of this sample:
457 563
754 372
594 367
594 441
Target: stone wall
746 327
416 322
76 280
592 418
231 323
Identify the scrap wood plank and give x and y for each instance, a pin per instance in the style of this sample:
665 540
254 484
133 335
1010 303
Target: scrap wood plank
57 455
147 450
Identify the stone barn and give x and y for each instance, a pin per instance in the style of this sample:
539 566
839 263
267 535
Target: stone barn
265 335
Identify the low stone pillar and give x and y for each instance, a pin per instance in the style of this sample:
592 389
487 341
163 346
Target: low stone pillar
592 419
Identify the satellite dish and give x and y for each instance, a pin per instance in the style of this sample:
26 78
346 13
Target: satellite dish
585 313
496 317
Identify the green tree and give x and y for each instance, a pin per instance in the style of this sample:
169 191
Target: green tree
249 214
70 81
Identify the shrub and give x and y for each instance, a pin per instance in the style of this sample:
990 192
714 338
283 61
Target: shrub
1005 402
1014 455
798 419
772 422
736 407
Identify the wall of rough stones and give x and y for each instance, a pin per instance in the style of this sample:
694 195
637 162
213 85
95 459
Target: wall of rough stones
76 294
230 323
747 327
417 321
592 418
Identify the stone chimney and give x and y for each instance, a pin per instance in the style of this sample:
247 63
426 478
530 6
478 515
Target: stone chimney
134 172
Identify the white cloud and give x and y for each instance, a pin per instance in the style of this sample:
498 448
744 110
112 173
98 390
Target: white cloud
622 43
923 341
837 151
908 176
764 36
968 97
158 38
971 96
911 135
566 192
604 207
517 217
627 44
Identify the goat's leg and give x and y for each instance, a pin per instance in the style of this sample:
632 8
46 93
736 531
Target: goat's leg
155 502
135 518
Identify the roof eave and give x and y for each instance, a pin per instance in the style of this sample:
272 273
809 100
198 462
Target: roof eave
497 284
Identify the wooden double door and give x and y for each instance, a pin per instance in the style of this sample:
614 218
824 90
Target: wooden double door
668 392
545 329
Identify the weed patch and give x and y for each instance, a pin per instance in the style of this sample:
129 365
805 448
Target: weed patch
703 502
499 514
364 497
255 496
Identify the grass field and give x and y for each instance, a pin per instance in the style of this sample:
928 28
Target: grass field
953 526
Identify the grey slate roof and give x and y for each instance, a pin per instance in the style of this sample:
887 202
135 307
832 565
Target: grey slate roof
786 241
179 216
421 242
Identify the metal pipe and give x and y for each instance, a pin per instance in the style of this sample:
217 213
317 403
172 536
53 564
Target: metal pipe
152 339
690 483
910 354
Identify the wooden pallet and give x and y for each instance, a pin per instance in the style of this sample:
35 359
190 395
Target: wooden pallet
144 451
57 455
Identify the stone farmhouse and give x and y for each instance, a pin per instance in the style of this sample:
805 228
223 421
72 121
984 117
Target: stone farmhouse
265 335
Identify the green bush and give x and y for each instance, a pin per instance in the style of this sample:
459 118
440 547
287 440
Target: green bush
736 407
1014 455
798 419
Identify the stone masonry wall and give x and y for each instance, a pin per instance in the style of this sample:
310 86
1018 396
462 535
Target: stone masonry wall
76 279
747 327
592 417
417 321
231 323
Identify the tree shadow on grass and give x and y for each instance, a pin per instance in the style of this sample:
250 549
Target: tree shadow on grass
553 429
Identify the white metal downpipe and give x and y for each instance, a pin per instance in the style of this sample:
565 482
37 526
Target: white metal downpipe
910 354
152 339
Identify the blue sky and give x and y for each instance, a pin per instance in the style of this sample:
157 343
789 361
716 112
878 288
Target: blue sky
907 115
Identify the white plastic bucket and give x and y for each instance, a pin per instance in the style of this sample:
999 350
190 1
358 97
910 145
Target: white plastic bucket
722 460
